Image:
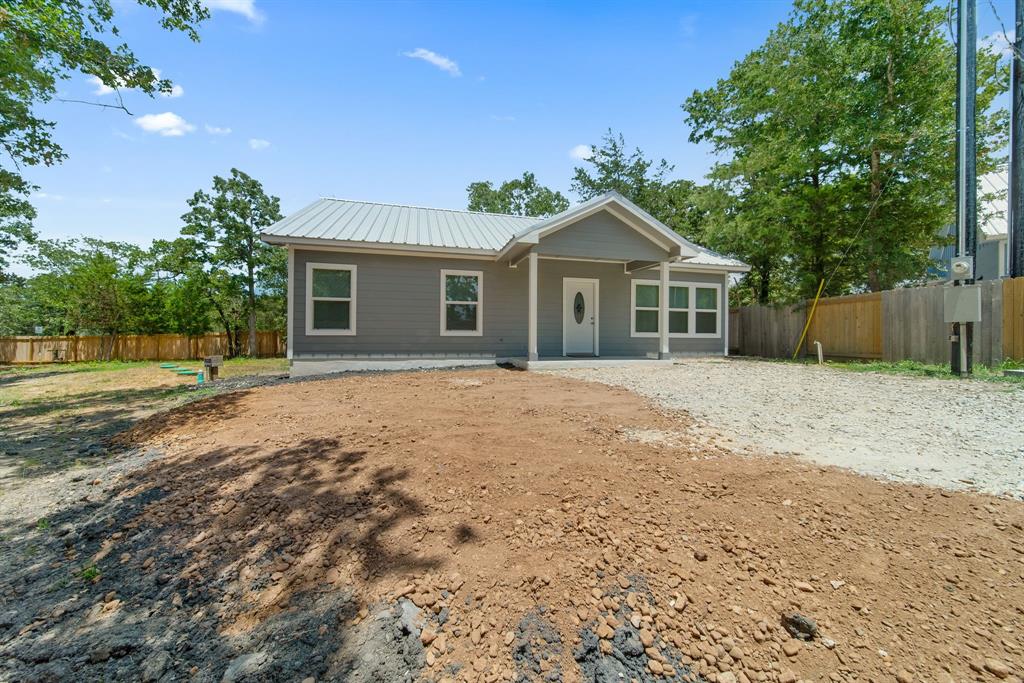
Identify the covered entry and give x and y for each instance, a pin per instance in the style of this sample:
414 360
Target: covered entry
580 316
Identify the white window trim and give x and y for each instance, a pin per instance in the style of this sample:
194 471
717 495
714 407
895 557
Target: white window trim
479 331
314 332
633 309
691 323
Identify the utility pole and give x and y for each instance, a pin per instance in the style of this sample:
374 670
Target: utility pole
966 176
1015 222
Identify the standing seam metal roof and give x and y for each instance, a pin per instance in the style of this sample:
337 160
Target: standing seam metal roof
354 221
346 220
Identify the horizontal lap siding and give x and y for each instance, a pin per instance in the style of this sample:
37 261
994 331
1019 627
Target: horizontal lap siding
614 317
601 236
398 307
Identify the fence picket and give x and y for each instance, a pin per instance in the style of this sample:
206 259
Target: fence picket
901 324
31 349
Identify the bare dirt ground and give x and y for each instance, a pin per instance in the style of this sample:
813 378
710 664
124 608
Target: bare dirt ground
960 434
55 421
497 525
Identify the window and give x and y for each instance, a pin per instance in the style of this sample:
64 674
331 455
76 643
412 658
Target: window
330 299
645 308
462 298
692 309
707 311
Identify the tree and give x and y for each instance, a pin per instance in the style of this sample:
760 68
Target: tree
188 262
41 43
835 138
518 197
632 175
227 224
94 287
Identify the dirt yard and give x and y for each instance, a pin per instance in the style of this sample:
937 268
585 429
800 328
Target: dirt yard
949 433
498 525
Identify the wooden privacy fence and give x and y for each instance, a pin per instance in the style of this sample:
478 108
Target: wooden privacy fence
129 347
899 324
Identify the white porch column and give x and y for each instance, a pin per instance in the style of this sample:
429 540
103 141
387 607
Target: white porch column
531 342
725 312
663 312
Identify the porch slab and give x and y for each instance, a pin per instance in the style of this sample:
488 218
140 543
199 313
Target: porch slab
566 363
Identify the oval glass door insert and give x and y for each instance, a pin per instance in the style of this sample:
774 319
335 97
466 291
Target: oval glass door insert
578 308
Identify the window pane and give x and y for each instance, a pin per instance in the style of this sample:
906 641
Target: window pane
646 321
707 323
460 317
330 315
678 322
647 295
678 297
707 298
336 283
461 287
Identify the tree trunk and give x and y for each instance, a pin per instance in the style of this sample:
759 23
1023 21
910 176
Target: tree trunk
764 272
252 312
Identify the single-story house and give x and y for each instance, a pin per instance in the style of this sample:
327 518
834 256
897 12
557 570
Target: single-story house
383 285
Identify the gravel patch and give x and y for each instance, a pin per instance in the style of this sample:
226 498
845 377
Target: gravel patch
947 433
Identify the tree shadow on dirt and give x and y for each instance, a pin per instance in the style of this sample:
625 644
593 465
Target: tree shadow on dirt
195 562
47 435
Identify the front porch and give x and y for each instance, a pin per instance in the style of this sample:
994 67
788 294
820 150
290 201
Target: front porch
569 362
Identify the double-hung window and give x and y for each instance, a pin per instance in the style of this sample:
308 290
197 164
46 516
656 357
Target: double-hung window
330 299
692 309
462 300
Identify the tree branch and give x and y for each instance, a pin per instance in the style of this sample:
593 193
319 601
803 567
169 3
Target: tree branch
97 104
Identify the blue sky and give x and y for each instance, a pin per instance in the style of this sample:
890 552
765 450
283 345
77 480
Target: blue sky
395 102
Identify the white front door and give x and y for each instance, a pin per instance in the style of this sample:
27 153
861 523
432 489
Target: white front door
579 317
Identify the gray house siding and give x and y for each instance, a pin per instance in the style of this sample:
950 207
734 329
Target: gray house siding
614 314
398 308
600 235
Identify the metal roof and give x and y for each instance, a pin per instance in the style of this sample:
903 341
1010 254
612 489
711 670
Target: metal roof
346 220
370 223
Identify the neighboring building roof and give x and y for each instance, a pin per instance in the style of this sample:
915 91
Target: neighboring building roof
368 223
992 219
346 220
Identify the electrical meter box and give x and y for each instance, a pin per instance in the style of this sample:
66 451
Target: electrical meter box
961 268
961 304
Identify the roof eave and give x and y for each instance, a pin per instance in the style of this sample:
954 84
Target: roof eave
313 242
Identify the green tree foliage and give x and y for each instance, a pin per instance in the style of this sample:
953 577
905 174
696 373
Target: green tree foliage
836 146
90 286
41 43
679 204
225 226
518 197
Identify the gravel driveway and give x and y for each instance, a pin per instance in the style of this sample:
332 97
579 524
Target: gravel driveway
949 433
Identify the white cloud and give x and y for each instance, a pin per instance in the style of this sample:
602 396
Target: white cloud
247 8
503 119
102 89
258 143
431 57
167 124
581 152
1000 43
45 195
216 130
